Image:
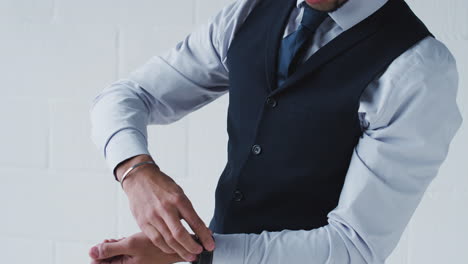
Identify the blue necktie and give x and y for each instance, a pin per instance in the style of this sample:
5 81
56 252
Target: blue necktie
293 46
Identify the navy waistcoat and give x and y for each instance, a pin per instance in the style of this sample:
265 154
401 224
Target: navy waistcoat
290 147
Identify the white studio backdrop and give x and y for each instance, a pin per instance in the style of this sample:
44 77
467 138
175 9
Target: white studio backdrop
58 198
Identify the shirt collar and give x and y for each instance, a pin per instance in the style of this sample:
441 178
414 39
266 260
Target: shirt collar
352 12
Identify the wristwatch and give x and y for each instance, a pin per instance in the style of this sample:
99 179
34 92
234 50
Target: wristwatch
205 257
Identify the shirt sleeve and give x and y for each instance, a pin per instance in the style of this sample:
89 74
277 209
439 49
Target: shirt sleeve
163 90
392 165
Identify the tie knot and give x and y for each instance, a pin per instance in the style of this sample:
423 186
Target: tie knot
312 18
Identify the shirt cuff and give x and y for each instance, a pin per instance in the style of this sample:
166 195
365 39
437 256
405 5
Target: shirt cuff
230 248
123 145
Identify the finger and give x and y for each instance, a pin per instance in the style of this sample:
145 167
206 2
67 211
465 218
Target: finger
108 250
157 239
172 242
94 261
109 240
109 261
181 234
197 225
94 252
118 260
127 260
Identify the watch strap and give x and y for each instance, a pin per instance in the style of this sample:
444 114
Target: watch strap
205 257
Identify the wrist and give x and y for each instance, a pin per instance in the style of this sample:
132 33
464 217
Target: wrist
124 165
137 171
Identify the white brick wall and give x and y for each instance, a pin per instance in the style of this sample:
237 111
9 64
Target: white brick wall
57 197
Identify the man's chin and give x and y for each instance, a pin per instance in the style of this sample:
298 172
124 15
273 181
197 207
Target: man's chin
326 5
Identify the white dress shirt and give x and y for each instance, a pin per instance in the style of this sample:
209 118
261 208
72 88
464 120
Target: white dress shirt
409 116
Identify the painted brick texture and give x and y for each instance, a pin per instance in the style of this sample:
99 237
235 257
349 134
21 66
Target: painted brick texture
57 197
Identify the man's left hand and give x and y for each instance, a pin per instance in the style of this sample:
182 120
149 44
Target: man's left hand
136 249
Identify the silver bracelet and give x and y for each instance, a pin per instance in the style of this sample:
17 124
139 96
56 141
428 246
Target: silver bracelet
133 167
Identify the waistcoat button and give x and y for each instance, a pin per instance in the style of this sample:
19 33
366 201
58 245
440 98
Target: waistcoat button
256 149
238 196
271 102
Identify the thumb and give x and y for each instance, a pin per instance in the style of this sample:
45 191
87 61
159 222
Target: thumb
108 249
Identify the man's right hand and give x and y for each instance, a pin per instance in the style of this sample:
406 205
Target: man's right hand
158 204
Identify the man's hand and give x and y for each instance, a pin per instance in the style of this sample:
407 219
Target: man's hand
136 249
158 204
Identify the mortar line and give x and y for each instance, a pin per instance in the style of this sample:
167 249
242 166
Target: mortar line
53 18
187 148
49 136
118 55
194 12
54 252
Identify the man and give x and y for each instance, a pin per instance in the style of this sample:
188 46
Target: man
340 115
